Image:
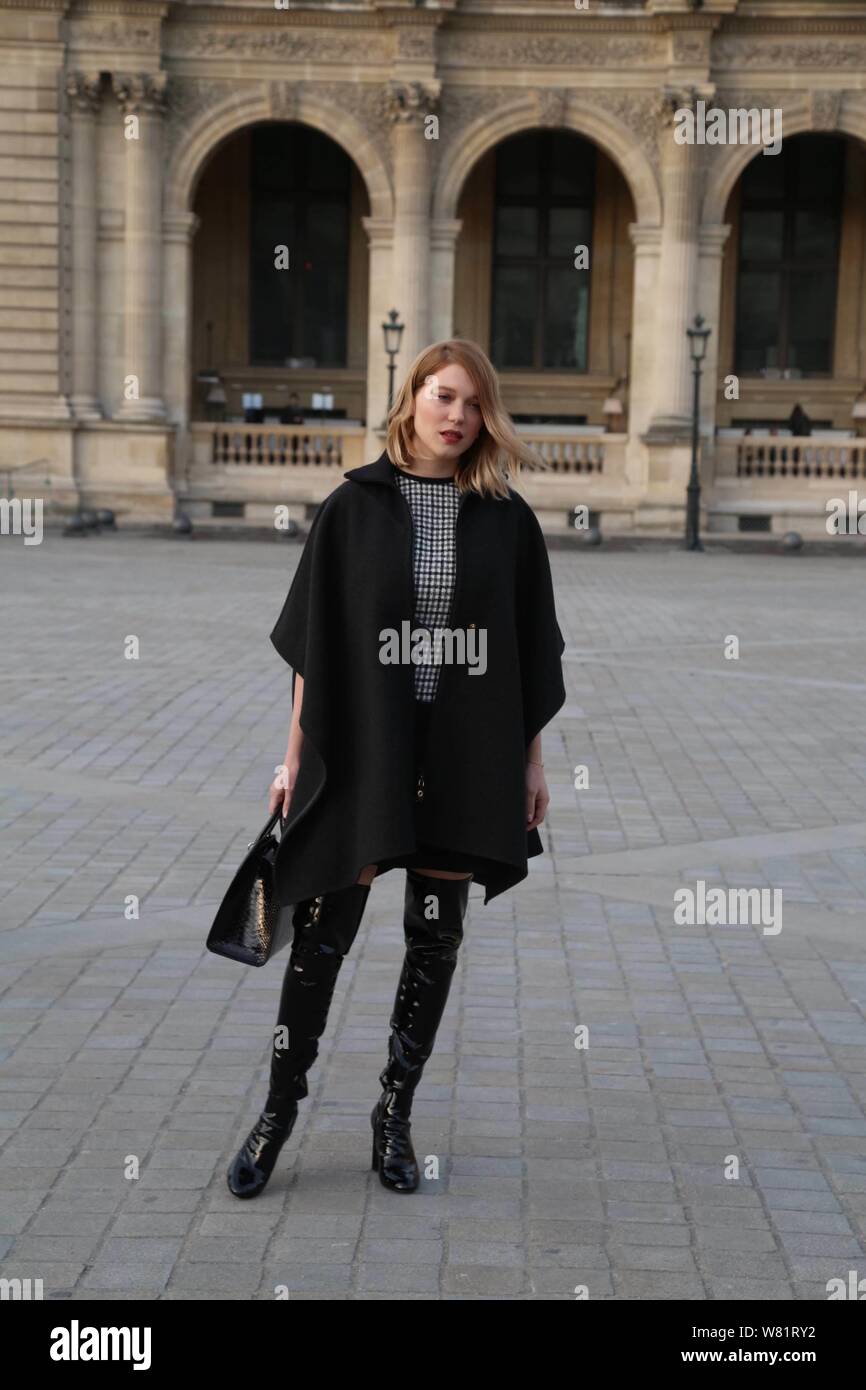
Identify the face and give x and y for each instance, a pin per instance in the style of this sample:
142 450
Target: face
448 416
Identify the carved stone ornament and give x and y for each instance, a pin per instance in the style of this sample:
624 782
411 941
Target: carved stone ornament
673 99
797 52
142 35
302 45
186 99
140 92
410 101
825 108
84 90
691 47
416 42
552 105
522 49
285 99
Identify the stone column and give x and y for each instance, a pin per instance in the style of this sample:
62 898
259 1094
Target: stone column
177 238
142 96
712 238
444 232
407 105
678 270
646 239
380 235
83 91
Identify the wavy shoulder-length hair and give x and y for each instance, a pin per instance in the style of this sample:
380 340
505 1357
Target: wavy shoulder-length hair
498 453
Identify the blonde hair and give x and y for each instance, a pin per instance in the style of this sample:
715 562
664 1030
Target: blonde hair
497 454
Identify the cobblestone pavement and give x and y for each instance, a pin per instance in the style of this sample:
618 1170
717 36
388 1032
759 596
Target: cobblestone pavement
560 1166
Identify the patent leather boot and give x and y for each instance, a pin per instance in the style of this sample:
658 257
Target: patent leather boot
432 945
325 928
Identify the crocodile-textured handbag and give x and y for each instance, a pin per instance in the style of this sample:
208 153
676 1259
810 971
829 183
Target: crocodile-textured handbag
250 926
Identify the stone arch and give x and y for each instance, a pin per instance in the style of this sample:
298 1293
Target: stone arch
610 134
735 158
212 126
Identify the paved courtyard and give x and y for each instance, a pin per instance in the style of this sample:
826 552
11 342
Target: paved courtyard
609 1168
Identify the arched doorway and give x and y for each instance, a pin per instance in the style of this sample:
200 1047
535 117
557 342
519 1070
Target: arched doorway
544 273
792 301
280 274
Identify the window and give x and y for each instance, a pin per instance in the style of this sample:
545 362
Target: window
544 191
788 257
299 198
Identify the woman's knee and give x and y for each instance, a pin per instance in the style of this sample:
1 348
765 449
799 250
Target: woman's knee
368 873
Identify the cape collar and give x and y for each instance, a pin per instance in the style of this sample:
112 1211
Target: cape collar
382 471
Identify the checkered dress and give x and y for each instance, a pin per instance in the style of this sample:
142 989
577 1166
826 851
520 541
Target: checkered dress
434 503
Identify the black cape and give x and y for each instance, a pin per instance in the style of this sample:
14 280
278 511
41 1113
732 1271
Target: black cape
354 801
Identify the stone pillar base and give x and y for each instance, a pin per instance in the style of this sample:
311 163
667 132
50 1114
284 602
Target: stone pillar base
85 408
128 468
143 411
669 429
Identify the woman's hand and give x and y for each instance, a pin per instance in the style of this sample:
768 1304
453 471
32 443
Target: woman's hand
537 795
283 785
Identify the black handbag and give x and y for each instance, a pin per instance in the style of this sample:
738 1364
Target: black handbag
250 926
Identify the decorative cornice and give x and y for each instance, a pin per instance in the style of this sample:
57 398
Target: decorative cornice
180 226
794 51
645 237
95 9
322 44
112 26
577 47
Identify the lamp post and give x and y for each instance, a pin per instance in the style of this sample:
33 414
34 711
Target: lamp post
393 332
698 335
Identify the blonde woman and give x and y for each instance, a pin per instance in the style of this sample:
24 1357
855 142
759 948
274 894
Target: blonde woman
426 655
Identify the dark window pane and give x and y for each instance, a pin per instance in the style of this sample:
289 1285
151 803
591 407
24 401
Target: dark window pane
566 314
517 165
758 319
815 233
811 315
326 231
514 304
299 197
762 234
567 228
819 167
788 273
764 176
516 231
572 166
327 165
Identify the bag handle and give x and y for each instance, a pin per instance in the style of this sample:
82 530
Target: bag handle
268 827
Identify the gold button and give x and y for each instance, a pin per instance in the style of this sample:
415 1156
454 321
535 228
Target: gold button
471 624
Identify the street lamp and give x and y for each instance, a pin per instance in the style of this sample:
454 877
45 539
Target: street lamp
698 335
393 332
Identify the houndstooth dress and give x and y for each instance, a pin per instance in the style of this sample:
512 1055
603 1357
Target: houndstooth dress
434 504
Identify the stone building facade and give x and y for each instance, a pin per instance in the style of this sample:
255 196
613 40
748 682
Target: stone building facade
138 309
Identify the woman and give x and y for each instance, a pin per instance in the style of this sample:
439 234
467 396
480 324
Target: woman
426 656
